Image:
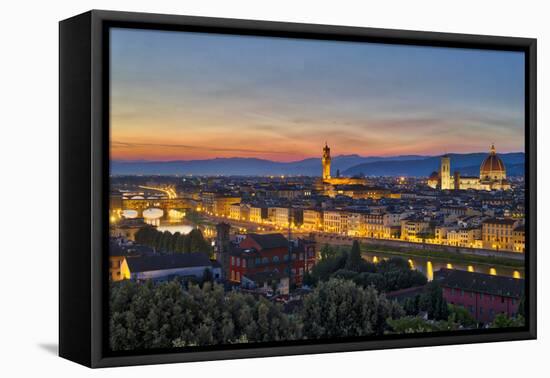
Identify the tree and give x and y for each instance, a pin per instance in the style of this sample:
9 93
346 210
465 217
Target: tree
433 302
166 314
327 252
339 308
197 243
503 321
461 316
354 259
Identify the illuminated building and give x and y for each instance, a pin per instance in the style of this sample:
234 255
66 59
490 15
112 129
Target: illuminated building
497 233
327 183
464 237
492 175
445 172
313 219
518 238
335 221
412 229
258 214
280 216
222 205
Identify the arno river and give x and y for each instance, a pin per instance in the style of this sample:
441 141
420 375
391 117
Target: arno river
429 265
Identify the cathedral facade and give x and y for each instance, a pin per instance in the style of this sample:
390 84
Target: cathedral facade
492 175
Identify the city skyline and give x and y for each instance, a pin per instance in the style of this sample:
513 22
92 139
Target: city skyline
283 98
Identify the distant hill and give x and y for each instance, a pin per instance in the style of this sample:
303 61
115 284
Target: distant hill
349 165
244 166
466 164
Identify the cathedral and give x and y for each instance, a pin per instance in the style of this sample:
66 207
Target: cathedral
492 175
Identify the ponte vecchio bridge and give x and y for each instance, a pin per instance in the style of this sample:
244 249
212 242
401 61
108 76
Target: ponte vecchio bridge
165 204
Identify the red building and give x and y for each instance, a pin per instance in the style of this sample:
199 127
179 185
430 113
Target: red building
269 253
483 295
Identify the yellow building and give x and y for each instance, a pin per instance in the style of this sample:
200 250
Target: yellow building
413 230
258 214
518 238
235 211
280 216
497 233
464 237
335 221
222 205
313 220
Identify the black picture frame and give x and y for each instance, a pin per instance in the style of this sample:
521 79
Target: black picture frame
84 183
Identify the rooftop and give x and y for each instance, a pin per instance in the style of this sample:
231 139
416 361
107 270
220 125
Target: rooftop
180 260
480 282
269 241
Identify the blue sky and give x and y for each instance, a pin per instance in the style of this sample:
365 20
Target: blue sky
180 95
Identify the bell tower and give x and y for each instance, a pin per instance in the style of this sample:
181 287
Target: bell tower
445 173
326 162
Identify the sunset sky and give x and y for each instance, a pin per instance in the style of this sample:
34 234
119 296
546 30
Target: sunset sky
184 96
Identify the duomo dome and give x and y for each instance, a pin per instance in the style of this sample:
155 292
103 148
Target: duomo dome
492 168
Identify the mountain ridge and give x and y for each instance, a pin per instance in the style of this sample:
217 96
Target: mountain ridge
407 165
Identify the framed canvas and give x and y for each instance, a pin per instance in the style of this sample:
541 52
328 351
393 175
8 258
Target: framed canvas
234 188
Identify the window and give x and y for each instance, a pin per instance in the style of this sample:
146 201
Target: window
232 260
244 263
258 260
238 277
238 261
265 260
232 275
275 259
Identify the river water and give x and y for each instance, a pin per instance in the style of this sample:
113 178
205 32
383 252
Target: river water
429 265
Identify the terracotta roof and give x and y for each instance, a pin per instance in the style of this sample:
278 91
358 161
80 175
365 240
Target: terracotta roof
269 241
480 282
491 163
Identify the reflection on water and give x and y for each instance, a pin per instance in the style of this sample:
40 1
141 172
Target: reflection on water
173 228
184 228
427 267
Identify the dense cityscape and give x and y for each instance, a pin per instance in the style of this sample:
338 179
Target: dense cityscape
298 190
442 252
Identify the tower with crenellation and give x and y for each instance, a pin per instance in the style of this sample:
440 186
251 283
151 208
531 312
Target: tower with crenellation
326 162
